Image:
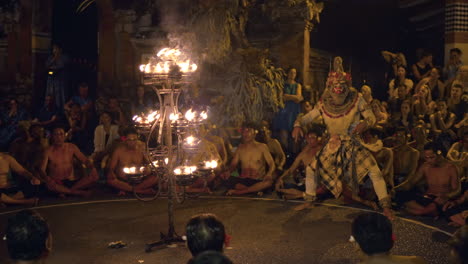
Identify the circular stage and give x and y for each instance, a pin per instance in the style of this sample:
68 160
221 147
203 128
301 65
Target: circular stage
262 230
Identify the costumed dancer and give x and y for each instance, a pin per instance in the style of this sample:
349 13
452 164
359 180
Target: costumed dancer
343 162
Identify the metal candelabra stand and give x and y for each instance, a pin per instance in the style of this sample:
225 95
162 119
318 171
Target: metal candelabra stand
169 139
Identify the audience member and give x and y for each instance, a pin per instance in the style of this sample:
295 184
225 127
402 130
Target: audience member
374 234
395 60
459 246
453 64
9 121
406 116
211 257
366 92
83 100
28 238
433 82
114 108
284 120
105 135
456 104
421 102
48 115
399 80
58 170
381 118
257 165
57 80
422 68
205 232
441 124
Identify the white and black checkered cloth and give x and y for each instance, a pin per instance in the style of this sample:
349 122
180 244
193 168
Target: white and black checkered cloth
456 17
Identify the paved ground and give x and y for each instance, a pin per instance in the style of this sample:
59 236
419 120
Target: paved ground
263 231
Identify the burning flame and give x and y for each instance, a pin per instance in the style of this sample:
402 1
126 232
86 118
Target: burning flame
166 58
184 170
146 119
211 164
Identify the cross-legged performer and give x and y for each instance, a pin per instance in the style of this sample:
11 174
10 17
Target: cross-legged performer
257 165
343 162
129 155
57 167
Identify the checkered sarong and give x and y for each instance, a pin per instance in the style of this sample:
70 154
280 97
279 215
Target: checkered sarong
349 165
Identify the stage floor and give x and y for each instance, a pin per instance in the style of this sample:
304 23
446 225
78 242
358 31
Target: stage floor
262 230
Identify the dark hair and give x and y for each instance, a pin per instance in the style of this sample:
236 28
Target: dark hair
130 130
316 129
426 54
205 232
83 84
431 146
459 243
400 129
211 257
107 113
249 124
458 85
33 126
26 236
456 50
375 132
373 232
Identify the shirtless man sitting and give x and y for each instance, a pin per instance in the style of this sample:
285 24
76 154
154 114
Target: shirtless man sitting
206 151
405 158
274 146
254 158
8 193
305 159
57 167
441 180
129 154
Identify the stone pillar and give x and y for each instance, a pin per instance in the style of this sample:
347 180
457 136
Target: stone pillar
456 27
41 45
106 42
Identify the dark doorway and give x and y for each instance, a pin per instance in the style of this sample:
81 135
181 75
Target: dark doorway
77 34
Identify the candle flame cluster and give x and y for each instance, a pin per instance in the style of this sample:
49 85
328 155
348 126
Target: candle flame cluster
133 170
167 59
213 164
157 163
194 116
146 119
191 141
184 170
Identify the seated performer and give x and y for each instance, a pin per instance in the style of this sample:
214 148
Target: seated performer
264 136
405 158
206 151
441 180
208 133
257 165
305 159
383 155
10 194
57 167
129 154
458 154
456 210
343 162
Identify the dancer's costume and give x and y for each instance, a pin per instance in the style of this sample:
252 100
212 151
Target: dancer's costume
343 160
